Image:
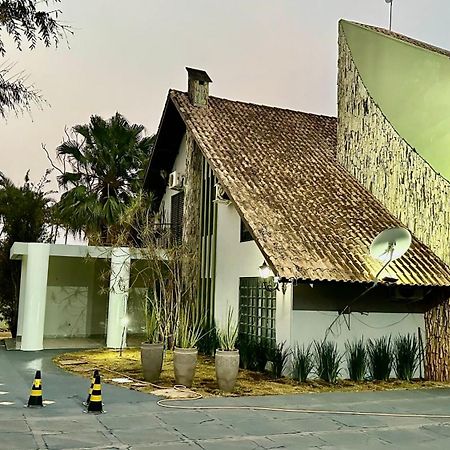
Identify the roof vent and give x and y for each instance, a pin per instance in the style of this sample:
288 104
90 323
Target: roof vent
198 86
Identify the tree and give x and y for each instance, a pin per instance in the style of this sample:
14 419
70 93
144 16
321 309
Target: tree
24 20
24 217
103 168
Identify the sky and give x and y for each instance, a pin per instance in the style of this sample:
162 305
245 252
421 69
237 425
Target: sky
125 55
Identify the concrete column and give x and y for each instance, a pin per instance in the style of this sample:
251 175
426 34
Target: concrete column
119 285
23 285
284 315
34 298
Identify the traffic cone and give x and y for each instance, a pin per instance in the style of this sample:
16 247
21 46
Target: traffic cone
95 402
96 374
36 391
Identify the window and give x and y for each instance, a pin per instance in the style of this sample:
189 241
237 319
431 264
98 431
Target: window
176 216
256 310
245 233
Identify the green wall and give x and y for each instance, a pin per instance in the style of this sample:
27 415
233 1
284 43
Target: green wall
411 85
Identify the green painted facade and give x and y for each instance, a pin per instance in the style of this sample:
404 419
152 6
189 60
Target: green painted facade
411 86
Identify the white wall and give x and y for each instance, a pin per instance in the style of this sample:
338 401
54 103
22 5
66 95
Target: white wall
180 167
308 326
234 259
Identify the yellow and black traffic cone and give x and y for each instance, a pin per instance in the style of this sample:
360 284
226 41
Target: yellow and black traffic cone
95 402
96 374
36 391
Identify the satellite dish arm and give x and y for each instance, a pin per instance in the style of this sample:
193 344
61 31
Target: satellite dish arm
390 250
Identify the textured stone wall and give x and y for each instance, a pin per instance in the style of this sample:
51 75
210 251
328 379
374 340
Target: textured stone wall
371 149
191 214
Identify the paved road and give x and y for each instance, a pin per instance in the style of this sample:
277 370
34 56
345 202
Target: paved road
134 421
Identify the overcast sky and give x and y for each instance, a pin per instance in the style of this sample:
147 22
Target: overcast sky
125 55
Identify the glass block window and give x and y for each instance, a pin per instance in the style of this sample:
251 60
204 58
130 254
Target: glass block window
256 310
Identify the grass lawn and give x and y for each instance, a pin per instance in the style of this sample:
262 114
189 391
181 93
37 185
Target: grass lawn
111 365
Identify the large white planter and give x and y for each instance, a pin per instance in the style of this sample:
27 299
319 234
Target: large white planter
184 364
152 360
227 368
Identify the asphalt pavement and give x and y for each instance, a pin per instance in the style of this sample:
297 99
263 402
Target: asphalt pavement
133 420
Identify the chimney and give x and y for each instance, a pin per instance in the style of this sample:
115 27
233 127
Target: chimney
198 86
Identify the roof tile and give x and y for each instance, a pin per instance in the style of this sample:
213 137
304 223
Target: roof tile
311 219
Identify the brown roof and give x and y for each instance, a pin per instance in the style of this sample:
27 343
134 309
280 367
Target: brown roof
407 39
311 219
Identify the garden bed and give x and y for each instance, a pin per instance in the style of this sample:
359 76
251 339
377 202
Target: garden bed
249 383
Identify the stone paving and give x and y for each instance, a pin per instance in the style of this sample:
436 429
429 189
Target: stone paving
134 420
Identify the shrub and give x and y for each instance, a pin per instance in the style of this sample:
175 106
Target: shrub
406 356
327 361
229 333
356 359
302 363
379 353
263 352
209 341
279 357
246 346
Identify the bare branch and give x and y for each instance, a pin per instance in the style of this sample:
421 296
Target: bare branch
50 160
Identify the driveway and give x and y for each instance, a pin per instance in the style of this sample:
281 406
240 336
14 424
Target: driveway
134 421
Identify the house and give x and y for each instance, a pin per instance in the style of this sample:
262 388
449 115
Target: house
306 194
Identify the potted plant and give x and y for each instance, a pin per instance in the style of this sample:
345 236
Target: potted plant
227 356
152 350
188 333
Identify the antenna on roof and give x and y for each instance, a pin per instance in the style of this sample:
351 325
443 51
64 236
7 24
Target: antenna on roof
390 13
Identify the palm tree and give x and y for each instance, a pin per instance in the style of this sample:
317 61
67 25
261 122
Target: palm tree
106 160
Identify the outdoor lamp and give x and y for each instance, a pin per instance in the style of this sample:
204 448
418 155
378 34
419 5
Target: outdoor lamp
265 273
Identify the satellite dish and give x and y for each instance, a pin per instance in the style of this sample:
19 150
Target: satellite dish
390 244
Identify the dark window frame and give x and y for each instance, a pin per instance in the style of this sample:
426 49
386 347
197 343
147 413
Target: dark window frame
245 235
176 216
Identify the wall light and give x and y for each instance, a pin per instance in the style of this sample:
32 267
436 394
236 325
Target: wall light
265 273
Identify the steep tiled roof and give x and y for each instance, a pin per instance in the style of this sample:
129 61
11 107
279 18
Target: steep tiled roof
406 39
311 219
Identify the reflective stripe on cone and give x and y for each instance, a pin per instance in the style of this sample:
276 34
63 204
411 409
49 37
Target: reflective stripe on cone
95 402
96 374
36 391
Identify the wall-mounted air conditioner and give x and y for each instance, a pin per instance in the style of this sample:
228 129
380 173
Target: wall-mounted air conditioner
176 181
221 195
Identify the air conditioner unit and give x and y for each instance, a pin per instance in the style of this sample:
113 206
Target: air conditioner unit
221 195
176 181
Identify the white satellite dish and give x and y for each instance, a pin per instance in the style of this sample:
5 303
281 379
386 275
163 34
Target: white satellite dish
390 244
